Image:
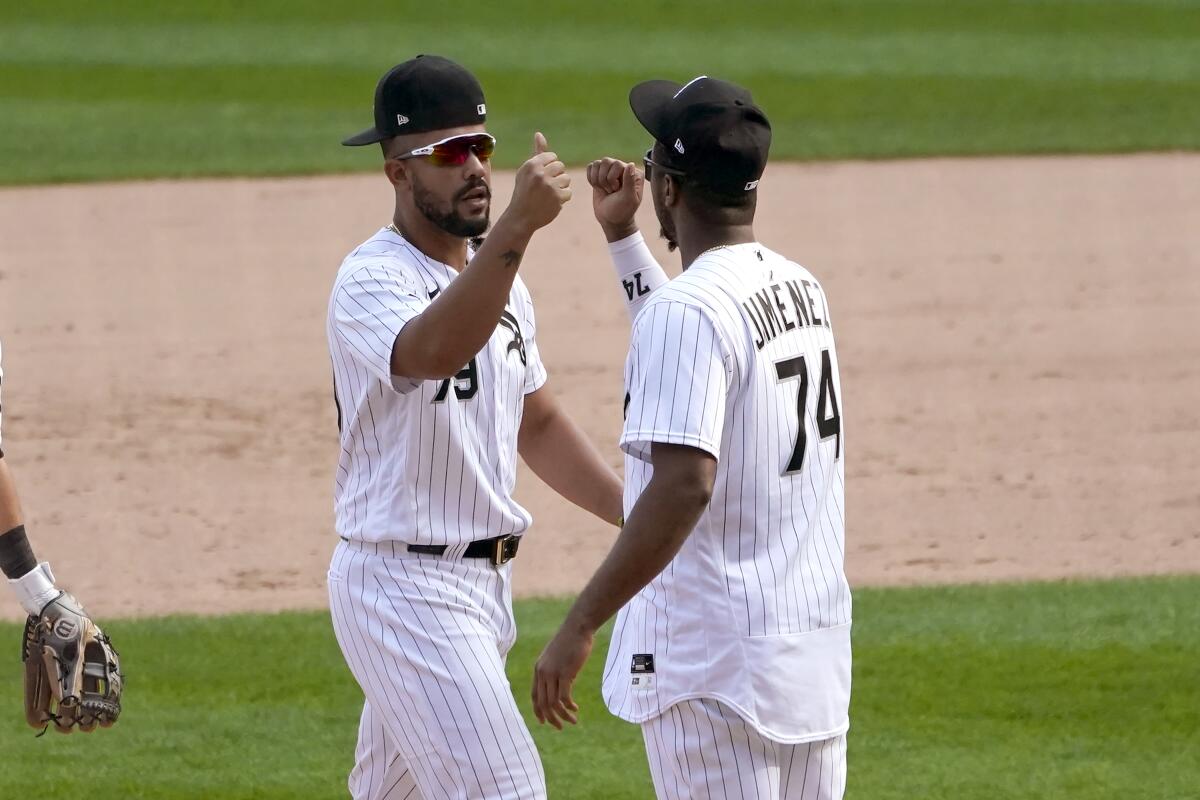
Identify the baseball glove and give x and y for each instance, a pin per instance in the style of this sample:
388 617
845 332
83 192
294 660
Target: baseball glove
72 673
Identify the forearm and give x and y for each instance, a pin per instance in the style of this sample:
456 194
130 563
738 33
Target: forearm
560 454
638 273
10 505
655 531
33 586
16 554
458 323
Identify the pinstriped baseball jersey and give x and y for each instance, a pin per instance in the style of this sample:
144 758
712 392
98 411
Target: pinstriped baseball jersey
736 357
424 462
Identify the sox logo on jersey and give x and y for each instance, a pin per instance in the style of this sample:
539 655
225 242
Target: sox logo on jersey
430 464
517 345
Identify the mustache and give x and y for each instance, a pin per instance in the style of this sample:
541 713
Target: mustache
472 186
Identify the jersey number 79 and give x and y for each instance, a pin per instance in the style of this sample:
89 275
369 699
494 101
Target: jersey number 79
466 384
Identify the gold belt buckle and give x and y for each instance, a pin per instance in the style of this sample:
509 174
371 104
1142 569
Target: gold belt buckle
504 549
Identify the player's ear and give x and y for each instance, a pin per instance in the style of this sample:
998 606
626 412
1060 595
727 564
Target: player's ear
396 171
671 193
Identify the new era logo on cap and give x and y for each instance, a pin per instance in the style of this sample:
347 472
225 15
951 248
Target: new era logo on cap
481 109
679 146
401 119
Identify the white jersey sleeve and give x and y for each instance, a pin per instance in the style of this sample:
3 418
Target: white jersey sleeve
677 377
371 304
637 271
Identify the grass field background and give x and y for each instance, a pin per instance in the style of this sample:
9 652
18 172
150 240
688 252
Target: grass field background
135 88
1049 690
1061 690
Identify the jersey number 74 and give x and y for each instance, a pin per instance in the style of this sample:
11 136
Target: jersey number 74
829 419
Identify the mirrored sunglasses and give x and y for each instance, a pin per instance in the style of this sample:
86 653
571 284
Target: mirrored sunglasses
453 151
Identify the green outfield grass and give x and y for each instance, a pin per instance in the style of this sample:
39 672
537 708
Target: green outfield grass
1056 690
140 88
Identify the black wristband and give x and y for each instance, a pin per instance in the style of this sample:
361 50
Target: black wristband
16 556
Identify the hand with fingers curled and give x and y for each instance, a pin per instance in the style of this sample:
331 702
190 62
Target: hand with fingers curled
555 672
616 195
542 187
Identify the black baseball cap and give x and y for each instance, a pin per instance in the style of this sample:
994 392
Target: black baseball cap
426 93
709 129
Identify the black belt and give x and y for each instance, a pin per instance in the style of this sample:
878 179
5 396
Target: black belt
499 549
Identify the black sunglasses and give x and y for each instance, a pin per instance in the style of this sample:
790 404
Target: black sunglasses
648 162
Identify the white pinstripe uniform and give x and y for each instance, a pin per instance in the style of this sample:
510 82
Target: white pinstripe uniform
736 659
427 463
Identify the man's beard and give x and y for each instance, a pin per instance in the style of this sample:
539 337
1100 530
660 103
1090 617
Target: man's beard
665 229
672 245
451 221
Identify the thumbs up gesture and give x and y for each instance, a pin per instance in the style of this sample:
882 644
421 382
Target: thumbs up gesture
542 187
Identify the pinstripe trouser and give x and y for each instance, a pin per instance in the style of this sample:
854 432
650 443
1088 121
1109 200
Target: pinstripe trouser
426 638
702 749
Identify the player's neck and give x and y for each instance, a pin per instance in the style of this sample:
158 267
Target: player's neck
432 240
699 238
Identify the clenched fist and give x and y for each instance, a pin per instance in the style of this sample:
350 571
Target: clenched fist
543 186
616 195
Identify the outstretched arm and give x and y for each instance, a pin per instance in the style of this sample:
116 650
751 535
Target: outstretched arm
32 583
17 561
72 674
657 527
16 554
560 454
10 505
616 194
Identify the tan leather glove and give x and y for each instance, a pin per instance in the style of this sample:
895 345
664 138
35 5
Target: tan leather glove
72 673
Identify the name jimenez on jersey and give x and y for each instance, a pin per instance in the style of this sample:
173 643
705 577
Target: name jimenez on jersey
755 609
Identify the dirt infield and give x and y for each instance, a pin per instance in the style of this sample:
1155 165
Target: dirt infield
1019 345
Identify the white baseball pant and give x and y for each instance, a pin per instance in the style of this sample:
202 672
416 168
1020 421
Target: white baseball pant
426 638
702 749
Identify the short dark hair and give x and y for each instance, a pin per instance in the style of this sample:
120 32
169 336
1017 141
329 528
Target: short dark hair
712 197
716 207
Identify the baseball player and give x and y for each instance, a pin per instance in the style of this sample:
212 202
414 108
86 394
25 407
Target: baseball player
439 385
72 673
732 644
